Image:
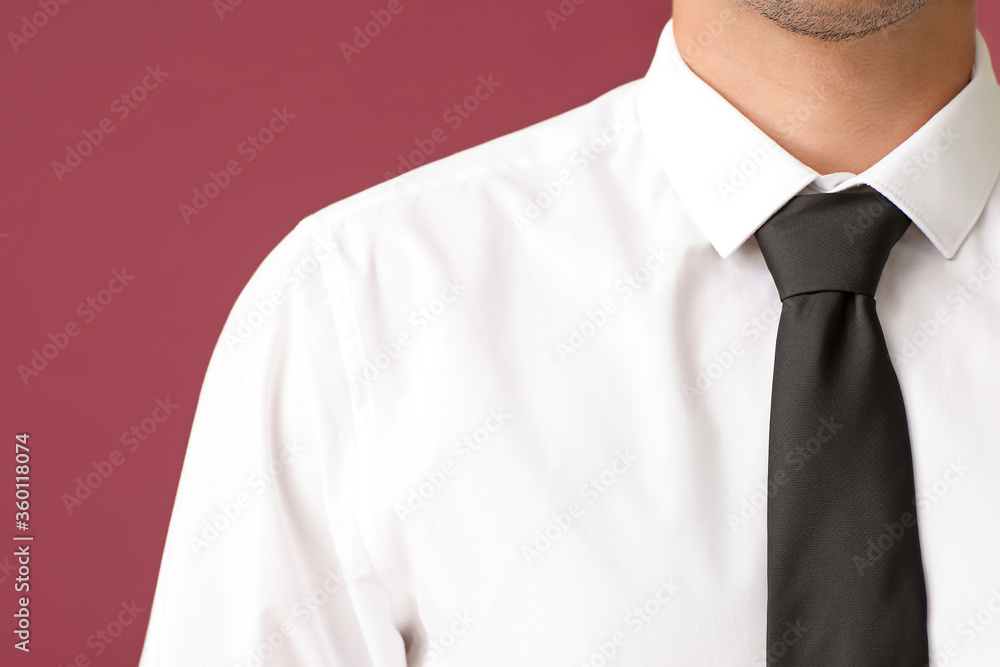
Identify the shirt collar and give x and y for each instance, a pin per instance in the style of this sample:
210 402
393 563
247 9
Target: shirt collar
731 177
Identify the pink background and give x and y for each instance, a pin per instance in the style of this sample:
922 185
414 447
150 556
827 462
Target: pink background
63 235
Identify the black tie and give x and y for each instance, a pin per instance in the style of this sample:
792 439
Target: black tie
845 581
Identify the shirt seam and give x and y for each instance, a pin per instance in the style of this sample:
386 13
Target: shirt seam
348 337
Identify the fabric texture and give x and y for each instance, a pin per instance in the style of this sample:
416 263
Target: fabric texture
843 551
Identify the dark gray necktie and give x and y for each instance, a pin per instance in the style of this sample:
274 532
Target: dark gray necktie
845 581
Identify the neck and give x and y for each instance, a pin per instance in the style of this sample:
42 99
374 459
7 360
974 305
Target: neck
836 106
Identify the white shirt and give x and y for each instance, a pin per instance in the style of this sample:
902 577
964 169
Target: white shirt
511 408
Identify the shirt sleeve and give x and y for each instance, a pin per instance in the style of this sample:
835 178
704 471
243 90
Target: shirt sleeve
265 563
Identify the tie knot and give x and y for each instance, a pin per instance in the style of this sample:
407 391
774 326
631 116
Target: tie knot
833 242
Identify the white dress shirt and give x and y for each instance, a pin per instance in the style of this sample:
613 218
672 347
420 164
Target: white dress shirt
511 408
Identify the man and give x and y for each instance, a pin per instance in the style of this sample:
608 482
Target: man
613 389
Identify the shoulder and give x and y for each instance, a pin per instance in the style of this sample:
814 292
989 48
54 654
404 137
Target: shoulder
472 186
444 218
